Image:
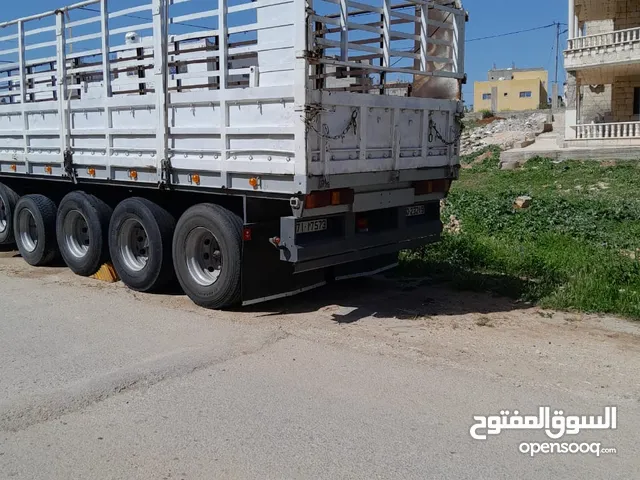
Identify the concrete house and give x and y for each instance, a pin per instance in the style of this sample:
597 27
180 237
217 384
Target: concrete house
512 89
602 60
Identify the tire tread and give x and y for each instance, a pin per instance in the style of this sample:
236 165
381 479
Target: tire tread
13 199
97 214
47 210
231 224
166 225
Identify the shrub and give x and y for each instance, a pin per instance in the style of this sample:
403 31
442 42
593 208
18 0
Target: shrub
487 114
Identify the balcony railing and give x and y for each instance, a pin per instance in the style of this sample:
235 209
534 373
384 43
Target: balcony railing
609 39
619 130
619 47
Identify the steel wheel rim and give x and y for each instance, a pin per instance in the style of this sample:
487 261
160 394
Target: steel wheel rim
75 230
203 256
133 245
3 216
28 230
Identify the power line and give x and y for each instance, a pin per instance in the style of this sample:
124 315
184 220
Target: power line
500 35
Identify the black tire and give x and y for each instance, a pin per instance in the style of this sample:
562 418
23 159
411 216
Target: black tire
226 227
8 201
158 226
91 231
43 249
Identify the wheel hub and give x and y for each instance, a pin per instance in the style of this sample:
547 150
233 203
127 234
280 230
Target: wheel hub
28 230
3 216
203 255
76 234
133 244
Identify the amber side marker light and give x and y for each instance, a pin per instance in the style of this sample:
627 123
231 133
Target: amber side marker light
326 198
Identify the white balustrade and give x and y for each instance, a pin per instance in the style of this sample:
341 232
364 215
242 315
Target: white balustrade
608 130
608 39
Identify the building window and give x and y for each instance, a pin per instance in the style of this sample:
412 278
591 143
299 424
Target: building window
486 96
636 101
525 94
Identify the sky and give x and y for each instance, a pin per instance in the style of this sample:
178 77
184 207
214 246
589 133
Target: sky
487 18
531 49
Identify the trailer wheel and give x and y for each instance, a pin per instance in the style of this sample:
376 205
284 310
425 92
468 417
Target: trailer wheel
207 255
34 225
140 235
8 201
82 230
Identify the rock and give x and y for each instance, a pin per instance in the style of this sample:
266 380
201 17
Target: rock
505 133
522 202
524 143
509 166
453 226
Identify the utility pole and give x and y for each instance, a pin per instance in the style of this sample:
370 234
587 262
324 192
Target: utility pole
554 90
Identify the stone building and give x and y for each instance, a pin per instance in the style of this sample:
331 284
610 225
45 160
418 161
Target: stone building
603 74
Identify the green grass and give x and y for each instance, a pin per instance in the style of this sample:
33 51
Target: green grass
572 249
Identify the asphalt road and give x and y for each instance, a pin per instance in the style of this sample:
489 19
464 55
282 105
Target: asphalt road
361 381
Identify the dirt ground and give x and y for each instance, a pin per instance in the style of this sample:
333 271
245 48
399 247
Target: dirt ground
422 322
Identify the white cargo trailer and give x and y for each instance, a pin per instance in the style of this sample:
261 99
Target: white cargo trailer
252 149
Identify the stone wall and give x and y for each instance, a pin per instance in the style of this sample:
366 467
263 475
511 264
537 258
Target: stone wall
627 14
596 103
623 96
596 27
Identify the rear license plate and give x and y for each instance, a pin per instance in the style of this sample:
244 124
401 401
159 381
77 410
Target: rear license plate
415 210
311 226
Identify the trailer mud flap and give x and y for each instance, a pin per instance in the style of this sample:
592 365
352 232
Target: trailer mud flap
264 276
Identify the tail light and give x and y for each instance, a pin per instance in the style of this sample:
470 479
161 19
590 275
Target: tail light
362 224
426 187
326 198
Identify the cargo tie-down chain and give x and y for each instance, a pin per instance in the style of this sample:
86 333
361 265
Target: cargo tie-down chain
313 112
433 129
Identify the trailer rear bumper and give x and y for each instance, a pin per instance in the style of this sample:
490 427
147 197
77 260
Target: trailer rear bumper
361 247
320 242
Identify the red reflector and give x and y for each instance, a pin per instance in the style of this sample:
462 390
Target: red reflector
246 234
362 223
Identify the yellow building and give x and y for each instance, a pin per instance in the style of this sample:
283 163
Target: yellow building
512 89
